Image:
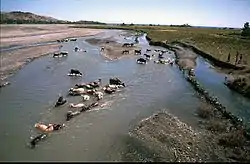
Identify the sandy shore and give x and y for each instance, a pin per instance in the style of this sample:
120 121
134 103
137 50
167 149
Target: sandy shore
112 49
14 60
27 34
12 35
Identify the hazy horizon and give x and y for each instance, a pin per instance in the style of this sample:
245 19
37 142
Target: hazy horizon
222 13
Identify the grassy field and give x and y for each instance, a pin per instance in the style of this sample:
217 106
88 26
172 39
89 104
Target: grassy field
214 41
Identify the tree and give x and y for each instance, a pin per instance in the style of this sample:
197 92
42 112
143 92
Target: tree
246 30
246 25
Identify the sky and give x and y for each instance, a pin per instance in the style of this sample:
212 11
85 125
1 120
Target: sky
216 13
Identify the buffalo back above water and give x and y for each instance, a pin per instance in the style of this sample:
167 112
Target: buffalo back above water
115 81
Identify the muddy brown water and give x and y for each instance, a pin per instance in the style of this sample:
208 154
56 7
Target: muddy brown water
100 134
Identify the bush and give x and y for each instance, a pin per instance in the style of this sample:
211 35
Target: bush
246 30
205 111
217 126
234 138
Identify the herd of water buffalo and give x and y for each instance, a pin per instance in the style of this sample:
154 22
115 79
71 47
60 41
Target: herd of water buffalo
86 91
161 58
92 90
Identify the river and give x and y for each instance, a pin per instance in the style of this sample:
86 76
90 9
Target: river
97 135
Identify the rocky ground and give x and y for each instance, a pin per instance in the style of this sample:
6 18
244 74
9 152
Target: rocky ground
163 137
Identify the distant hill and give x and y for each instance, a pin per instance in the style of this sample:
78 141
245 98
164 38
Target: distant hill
19 17
87 22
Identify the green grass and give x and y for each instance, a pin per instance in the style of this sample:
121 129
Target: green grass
216 42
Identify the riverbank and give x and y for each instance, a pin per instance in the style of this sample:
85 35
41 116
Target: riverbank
18 35
12 61
225 128
12 35
169 139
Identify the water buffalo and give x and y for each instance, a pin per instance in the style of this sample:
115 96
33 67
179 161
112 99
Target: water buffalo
115 81
109 90
73 39
49 128
99 95
56 54
161 61
147 56
85 97
71 114
75 72
126 45
157 50
37 139
91 85
94 104
137 51
64 53
77 90
163 51
76 49
125 52
4 84
80 105
141 61
60 101
160 56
